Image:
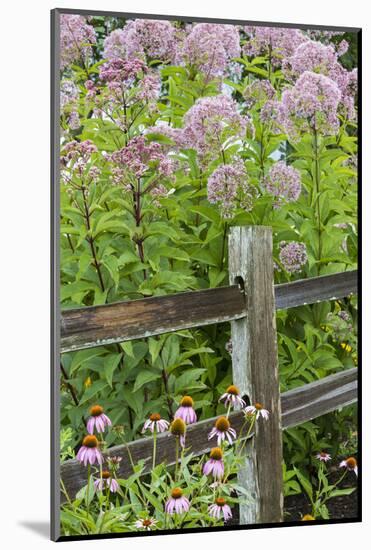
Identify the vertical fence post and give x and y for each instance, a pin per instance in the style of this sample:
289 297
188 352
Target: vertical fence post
255 371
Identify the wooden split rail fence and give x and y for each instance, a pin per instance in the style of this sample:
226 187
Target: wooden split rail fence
249 303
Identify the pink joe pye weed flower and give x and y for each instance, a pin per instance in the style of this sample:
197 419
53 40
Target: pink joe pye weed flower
311 105
98 420
215 465
228 187
351 465
232 397
156 423
106 481
283 183
76 39
220 507
177 503
89 451
223 431
186 411
257 410
293 256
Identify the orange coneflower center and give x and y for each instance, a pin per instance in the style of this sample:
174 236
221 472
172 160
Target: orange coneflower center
176 493
155 417
106 474
96 410
186 401
220 501
90 441
147 523
258 406
307 517
216 453
351 462
222 424
178 427
233 390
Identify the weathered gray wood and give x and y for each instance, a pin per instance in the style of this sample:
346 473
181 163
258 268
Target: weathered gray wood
255 370
298 406
94 326
318 398
316 289
100 325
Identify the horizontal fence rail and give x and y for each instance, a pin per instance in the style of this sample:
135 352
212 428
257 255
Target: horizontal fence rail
101 325
316 289
298 405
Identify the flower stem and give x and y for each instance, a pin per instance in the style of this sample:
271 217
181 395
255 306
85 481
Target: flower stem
154 448
176 458
317 181
88 493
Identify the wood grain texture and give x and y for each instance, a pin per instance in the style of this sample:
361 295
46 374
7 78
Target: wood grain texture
320 397
298 406
95 326
100 325
316 289
255 370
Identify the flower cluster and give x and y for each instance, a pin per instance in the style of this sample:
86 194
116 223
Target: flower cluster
229 188
258 92
283 183
209 47
318 58
141 37
76 40
129 81
311 104
213 123
293 256
69 95
137 158
77 161
272 41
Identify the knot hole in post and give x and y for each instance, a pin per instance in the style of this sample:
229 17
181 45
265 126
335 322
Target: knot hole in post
240 282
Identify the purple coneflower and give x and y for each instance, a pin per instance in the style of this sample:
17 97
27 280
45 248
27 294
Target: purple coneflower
223 431
177 503
178 428
186 411
105 481
323 457
215 465
351 465
232 397
257 410
219 507
89 451
145 524
155 422
98 420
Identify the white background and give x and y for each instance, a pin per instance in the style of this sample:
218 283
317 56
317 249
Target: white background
24 286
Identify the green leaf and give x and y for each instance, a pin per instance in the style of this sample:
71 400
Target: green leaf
144 377
304 482
84 356
110 364
97 387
